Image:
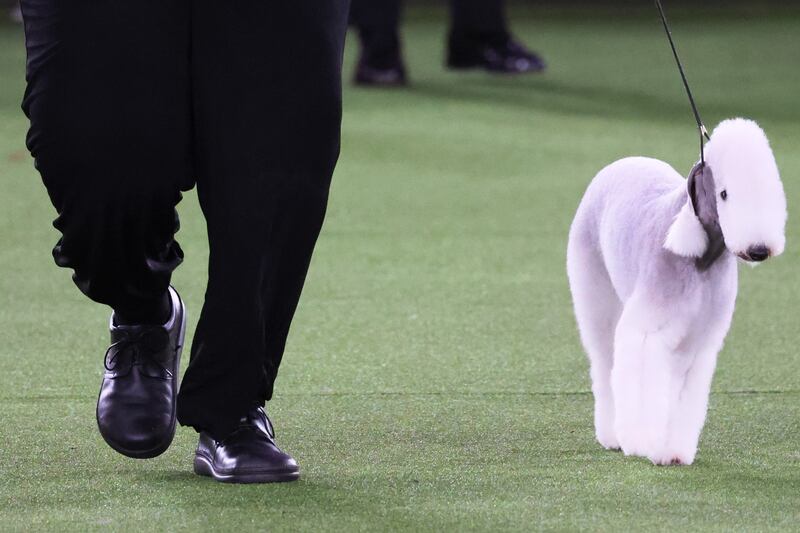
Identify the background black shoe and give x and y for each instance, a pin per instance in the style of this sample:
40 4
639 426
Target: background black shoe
380 60
498 52
248 455
136 406
387 74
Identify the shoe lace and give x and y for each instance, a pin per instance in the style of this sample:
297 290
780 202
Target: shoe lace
139 345
249 421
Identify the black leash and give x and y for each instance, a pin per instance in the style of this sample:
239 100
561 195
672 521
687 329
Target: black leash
700 126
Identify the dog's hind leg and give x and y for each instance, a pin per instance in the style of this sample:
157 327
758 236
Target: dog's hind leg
597 309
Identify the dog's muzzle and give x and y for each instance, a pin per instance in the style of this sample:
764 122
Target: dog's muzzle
756 253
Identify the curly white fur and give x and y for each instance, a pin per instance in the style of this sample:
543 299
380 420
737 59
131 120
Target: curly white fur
651 322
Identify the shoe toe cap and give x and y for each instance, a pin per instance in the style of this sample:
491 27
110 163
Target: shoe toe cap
135 433
263 459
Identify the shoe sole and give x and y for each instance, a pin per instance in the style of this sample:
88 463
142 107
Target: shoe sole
479 66
163 446
203 467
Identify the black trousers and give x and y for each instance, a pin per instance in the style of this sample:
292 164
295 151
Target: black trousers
132 102
378 20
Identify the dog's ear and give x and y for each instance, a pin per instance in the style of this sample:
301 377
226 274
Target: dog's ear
691 184
704 195
687 236
705 208
696 232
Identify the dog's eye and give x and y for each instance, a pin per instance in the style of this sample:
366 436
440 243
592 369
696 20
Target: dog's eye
724 195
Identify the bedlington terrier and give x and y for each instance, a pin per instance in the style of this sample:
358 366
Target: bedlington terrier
652 268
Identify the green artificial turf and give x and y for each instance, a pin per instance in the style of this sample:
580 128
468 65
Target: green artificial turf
433 378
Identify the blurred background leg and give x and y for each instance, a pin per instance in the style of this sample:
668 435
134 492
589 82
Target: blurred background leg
380 60
478 17
15 13
480 38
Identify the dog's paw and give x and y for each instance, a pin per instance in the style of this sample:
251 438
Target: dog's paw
631 441
671 458
607 439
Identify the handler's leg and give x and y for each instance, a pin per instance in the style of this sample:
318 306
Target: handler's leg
107 97
267 86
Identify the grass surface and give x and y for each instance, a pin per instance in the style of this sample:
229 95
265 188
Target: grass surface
434 379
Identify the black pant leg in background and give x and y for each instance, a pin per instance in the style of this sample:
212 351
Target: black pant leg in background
378 25
267 91
377 14
478 17
107 97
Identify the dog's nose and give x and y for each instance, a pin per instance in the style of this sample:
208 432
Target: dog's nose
759 252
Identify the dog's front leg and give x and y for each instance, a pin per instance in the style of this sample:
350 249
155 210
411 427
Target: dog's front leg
689 414
641 382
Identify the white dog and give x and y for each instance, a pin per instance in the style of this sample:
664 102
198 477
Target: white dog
652 269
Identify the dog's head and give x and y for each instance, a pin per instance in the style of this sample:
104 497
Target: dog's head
740 192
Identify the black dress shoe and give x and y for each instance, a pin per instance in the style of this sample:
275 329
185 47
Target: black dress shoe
380 60
497 52
136 407
248 455
380 76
